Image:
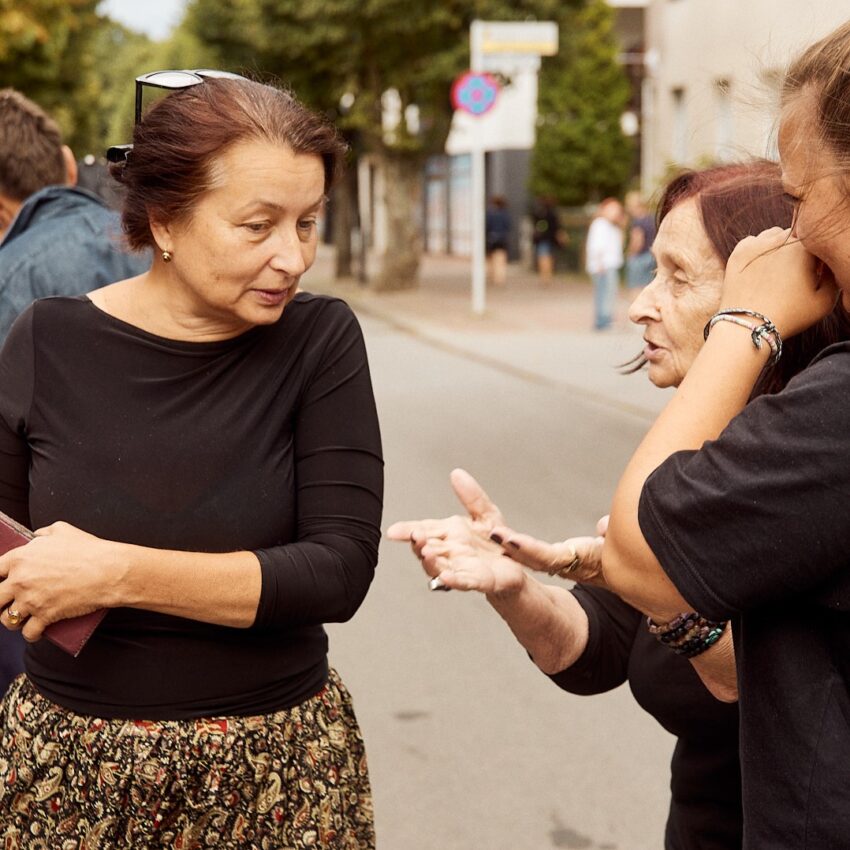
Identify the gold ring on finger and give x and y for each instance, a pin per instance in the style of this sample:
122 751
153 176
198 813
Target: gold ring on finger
571 567
13 616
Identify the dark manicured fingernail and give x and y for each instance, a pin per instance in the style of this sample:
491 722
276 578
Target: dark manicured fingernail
496 538
513 543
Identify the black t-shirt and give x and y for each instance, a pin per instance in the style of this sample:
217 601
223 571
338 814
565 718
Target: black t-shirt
266 442
756 526
705 776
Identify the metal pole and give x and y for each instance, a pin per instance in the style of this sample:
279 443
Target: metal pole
479 281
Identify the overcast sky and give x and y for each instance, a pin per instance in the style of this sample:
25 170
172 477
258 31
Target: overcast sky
153 17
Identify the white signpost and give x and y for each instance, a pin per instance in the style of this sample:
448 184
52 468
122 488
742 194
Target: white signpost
505 48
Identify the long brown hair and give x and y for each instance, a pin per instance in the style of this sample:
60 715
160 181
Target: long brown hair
742 199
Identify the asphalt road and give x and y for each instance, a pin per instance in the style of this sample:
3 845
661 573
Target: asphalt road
470 746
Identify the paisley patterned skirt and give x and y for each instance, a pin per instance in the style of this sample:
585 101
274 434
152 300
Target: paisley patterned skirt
289 780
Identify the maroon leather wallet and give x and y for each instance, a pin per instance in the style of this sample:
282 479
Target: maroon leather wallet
70 635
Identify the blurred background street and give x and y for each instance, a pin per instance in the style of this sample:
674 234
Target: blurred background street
469 745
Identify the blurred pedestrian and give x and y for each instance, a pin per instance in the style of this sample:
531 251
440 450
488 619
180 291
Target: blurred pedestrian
199 448
498 233
604 259
546 236
48 226
640 264
48 222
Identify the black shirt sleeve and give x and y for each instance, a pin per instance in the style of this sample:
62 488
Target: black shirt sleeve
324 575
604 664
759 515
17 370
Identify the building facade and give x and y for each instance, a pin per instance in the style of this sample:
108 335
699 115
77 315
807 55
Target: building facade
712 70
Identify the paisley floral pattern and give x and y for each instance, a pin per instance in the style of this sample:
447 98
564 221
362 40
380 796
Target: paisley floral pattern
291 780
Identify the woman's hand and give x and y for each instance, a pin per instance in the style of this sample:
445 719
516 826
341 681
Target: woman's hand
577 558
773 274
457 549
63 572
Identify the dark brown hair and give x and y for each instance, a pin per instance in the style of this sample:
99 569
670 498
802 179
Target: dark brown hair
30 147
737 200
179 140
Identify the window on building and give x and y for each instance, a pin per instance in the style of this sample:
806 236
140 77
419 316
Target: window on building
724 140
680 126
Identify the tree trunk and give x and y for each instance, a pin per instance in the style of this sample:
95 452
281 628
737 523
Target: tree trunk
403 204
343 222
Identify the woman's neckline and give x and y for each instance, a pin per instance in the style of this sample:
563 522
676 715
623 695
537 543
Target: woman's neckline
172 342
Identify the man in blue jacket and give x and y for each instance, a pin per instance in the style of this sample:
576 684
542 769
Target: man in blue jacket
57 240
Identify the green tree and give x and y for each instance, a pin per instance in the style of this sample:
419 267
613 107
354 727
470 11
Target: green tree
363 50
127 55
46 52
581 153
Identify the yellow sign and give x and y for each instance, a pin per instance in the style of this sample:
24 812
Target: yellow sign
538 38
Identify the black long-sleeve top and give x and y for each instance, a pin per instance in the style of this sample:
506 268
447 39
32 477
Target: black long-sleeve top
705 774
266 442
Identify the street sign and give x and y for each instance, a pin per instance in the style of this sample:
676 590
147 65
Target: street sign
508 47
475 93
537 37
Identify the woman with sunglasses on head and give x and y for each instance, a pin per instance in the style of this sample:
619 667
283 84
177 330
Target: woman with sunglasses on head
587 639
198 448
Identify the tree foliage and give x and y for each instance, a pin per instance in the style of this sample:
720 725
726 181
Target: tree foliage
46 52
355 58
133 54
581 153
326 49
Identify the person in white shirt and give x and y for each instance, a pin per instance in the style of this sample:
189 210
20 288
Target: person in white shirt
604 259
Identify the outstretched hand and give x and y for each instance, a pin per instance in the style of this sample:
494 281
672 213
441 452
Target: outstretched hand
458 549
480 552
577 558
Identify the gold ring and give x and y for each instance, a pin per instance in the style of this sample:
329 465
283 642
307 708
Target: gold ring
13 616
574 564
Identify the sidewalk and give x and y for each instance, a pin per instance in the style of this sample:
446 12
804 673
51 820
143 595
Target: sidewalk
541 333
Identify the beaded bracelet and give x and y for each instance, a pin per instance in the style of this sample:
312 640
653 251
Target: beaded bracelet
688 634
767 330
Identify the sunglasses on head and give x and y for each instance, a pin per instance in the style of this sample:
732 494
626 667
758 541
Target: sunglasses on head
166 80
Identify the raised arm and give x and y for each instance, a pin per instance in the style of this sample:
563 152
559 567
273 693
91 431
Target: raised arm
768 274
458 551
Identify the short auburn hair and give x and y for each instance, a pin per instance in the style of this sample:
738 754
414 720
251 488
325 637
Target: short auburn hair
31 155
179 140
735 200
